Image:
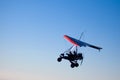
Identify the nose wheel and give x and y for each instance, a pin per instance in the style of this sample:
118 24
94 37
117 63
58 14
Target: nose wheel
74 65
59 59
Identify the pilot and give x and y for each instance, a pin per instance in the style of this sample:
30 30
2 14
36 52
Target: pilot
71 56
80 56
75 53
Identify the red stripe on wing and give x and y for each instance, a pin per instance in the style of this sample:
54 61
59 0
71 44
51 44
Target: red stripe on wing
70 40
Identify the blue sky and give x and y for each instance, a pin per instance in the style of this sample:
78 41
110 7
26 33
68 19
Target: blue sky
31 39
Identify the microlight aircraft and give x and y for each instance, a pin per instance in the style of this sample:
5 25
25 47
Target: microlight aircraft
74 56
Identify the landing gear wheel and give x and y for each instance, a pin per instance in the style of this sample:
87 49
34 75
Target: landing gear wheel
59 59
72 65
76 65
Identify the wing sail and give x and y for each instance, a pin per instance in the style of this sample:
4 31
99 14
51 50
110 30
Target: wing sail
77 42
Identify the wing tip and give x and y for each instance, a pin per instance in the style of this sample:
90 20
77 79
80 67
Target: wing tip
100 49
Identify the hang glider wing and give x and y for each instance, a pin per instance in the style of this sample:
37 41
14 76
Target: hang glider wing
76 42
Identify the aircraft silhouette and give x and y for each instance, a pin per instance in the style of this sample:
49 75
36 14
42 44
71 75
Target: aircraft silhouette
74 56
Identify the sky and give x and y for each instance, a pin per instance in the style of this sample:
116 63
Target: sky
31 39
